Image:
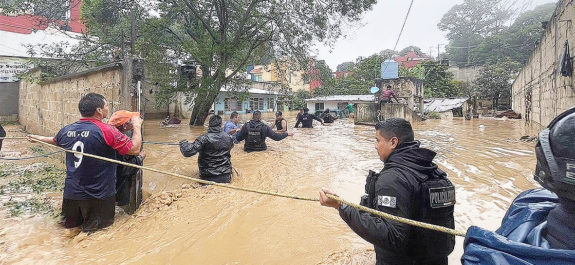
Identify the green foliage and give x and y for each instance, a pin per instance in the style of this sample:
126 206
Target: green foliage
31 205
407 49
29 182
516 42
438 82
433 115
299 98
345 67
468 23
494 80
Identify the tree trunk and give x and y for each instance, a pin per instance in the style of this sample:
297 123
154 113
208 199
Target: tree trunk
202 104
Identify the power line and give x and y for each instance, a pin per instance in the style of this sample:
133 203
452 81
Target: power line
400 32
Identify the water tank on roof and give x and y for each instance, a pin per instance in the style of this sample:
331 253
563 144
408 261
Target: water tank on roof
389 69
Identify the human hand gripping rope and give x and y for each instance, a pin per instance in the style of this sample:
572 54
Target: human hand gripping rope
289 196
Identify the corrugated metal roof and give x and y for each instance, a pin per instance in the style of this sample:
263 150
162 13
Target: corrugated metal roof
250 90
442 104
366 98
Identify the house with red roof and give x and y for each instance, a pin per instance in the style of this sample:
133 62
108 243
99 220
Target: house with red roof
411 59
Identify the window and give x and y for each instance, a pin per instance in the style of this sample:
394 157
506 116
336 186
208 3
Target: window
257 103
258 78
318 106
232 104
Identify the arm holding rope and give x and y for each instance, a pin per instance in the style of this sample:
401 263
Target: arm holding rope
191 149
38 138
383 233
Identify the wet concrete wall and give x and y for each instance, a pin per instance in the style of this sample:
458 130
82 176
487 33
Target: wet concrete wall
368 113
540 92
9 101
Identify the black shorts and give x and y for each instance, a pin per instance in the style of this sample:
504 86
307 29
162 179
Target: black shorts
91 215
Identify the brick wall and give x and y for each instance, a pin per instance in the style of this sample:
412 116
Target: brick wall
540 92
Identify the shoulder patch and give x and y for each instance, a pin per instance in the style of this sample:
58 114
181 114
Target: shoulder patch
387 201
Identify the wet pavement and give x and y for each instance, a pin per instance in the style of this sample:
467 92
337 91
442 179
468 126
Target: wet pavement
186 224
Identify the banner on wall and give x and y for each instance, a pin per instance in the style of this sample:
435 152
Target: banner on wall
11 67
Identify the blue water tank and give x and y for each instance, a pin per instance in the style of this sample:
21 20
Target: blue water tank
389 69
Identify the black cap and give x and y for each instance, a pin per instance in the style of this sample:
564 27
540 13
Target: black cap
279 113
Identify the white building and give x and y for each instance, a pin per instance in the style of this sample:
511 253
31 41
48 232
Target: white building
337 101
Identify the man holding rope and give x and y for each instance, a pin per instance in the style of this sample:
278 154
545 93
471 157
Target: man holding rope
90 185
411 186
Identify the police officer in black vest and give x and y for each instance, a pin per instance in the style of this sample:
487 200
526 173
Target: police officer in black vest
410 185
306 119
255 133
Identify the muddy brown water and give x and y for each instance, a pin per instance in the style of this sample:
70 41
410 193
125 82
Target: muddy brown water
211 225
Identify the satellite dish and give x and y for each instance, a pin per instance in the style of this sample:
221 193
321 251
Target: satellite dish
374 90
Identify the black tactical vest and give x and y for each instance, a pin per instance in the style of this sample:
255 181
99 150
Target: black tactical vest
255 140
434 204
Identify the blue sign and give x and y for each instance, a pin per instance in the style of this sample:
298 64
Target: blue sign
374 90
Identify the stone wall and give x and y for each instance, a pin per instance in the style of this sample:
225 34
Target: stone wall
367 113
46 107
408 88
540 92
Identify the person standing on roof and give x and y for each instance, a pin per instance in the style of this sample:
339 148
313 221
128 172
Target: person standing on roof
386 96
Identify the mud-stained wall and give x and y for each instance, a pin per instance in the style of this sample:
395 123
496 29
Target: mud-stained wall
540 92
408 88
46 107
368 112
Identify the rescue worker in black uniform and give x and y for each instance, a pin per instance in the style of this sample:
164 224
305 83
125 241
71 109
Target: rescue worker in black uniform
410 185
306 119
215 160
255 133
327 117
280 123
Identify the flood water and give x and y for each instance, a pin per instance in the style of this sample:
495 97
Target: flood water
210 225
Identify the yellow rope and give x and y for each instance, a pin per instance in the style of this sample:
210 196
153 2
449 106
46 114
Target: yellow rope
12 138
399 219
186 177
357 206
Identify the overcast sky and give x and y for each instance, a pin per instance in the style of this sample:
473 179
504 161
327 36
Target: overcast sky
381 27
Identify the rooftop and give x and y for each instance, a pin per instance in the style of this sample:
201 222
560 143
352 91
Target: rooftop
365 98
442 104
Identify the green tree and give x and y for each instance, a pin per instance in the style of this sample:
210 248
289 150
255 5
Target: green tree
468 23
407 49
437 81
494 80
345 67
223 36
299 98
516 42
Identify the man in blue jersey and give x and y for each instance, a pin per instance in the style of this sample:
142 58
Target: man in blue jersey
90 185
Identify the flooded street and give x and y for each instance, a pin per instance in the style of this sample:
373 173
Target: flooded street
179 224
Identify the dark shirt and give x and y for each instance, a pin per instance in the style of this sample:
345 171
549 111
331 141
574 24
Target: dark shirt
307 120
86 177
266 132
2 134
278 124
214 148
